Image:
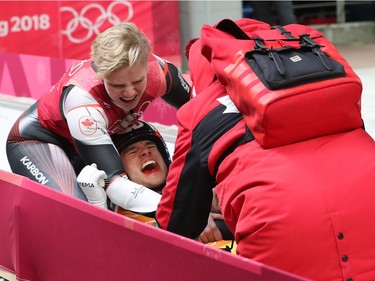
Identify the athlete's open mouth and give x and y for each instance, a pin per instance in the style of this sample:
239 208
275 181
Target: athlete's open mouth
149 167
123 99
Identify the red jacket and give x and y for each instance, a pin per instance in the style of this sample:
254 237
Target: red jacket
306 208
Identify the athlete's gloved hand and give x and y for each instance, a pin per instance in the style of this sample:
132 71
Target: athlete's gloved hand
91 181
132 196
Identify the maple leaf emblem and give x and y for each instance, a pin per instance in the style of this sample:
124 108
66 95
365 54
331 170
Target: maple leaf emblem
88 125
87 122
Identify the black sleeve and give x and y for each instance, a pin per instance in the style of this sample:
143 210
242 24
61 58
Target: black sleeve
104 155
193 193
178 89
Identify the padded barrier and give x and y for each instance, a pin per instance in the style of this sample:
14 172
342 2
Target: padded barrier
46 235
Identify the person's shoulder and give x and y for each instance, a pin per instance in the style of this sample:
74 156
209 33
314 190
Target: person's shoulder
87 64
155 58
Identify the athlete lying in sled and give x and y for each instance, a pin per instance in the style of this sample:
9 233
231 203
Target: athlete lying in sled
146 160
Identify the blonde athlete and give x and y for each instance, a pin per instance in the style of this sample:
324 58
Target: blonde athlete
71 126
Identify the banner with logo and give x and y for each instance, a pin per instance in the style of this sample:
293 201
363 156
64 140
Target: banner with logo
66 29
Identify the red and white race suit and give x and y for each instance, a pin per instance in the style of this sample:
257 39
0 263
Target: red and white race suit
71 126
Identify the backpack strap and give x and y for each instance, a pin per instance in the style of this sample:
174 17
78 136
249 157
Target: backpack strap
306 41
232 28
283 31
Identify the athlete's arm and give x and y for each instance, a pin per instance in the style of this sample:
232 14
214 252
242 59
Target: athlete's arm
178 89
186 198
88 126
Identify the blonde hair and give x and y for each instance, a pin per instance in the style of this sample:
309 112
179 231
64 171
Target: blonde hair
120 45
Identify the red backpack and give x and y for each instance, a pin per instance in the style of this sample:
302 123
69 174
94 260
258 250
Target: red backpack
290 83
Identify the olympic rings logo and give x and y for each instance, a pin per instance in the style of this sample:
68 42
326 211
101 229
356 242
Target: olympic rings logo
80 21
